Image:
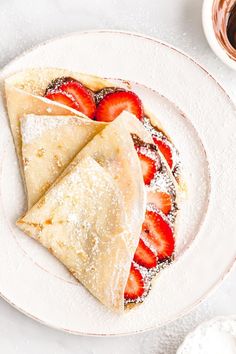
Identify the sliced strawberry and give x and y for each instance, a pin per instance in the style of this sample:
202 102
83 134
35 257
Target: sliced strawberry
158 234
162 201
135 284
79 93
149 167
63 98
144 256
165 150
114 103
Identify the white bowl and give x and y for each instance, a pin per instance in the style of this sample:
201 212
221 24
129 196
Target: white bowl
215 336
210 34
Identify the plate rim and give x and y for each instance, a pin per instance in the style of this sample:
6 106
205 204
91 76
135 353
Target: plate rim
230 267
130 33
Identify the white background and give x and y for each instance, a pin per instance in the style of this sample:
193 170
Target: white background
24 23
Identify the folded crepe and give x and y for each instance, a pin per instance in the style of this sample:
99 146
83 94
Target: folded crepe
25 91
108 149
82 221
49 143
75 220
20 102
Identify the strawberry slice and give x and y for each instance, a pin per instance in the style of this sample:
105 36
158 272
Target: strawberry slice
135 284
158 234
165 150
63 98
114 103
149 167
162 201
76 91
144 256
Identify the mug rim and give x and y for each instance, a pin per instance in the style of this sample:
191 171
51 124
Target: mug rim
210 35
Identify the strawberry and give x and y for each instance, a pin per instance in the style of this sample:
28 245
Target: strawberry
63 98
148 165
157 232
135 284
165 150
162 201
114 103
82 96
144 256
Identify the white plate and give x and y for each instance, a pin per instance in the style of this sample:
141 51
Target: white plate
201 120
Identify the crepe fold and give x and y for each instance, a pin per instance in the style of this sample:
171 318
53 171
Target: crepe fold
86 195
24 95
81 220
49 143
25 90
91 217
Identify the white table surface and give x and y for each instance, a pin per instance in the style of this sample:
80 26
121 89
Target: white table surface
24 23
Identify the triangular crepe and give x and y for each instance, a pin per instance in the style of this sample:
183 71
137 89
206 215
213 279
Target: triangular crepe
114 152
24 95
82 221
49 144
25 91
112 149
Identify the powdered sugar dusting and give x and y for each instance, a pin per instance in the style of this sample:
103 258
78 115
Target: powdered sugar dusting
33 126
217 336
176 169
86 208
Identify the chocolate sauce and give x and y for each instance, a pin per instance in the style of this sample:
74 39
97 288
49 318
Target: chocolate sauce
231 27
224 24
99 95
